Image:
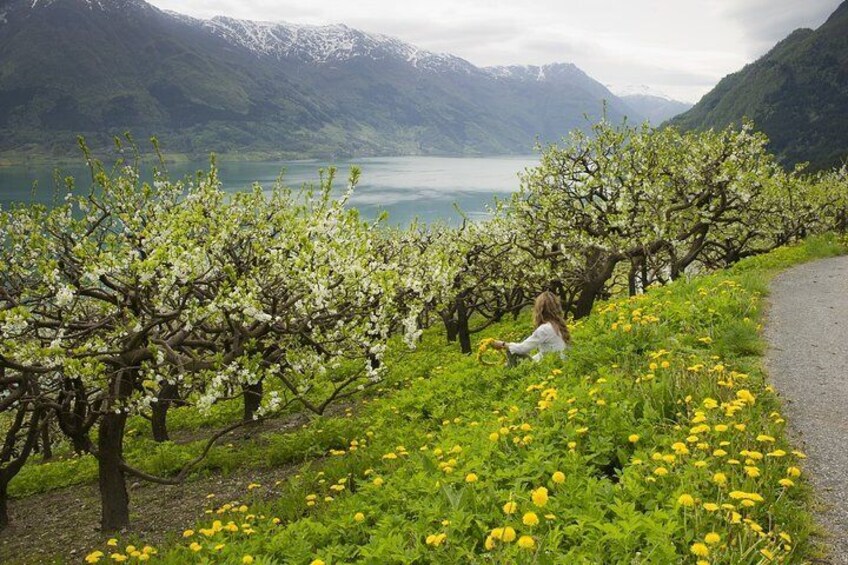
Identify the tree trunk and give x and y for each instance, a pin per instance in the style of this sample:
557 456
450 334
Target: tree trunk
14 459
46 446
586 301
593 287
168 393
114 500
631 277
448 319
81 444
4 501
73 413
452 330
463 332
252 400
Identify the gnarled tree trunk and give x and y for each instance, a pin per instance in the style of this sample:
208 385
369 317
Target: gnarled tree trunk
463 331
168 395
114 499
252 400
4 501
598 273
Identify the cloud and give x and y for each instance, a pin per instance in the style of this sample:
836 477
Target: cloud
765 22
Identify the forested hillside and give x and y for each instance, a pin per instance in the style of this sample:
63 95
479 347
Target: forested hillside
797 94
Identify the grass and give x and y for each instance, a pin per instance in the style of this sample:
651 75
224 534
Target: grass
657 440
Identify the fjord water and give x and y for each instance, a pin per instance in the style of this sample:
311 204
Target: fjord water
406 187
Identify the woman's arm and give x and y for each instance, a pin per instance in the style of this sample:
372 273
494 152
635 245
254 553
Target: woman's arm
528 345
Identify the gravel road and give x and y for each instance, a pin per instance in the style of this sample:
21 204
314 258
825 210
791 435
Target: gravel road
807 359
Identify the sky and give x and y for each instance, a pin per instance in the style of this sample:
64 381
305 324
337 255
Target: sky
680 48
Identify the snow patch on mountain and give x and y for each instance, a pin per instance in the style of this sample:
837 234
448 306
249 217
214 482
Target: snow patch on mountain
534 72
102 5
327 44
638 90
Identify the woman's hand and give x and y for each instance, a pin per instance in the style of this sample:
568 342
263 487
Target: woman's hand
499 345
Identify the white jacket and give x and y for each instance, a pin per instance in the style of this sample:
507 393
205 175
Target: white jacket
545 339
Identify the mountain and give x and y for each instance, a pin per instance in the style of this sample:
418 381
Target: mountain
797 94
655 109
649 103
99 67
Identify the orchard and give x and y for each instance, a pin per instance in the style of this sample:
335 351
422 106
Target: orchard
129 299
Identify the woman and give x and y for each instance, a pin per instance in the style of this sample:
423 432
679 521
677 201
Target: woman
551 333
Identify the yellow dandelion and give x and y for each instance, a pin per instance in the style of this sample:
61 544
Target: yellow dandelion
93 557
530 519
540 496
526 542
700 549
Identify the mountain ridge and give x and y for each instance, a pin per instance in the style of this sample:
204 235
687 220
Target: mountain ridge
100 67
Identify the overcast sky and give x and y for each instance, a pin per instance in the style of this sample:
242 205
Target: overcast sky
678 47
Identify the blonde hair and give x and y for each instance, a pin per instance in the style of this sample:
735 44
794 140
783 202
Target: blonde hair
548 310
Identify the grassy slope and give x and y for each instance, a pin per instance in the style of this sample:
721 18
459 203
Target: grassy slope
575 417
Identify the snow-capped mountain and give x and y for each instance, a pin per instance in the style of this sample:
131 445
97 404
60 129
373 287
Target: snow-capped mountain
329 44
533 73
622 90
652 104
101 67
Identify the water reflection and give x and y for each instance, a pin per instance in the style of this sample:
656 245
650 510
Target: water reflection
405 187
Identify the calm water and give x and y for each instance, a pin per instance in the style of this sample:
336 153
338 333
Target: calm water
405 187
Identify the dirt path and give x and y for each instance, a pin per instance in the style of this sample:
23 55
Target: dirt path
39 531
807 331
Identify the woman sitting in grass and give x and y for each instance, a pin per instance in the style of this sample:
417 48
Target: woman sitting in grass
551 333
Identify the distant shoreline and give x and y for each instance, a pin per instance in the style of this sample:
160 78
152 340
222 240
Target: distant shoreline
12 160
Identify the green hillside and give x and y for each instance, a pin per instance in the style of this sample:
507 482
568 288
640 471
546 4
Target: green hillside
797 94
